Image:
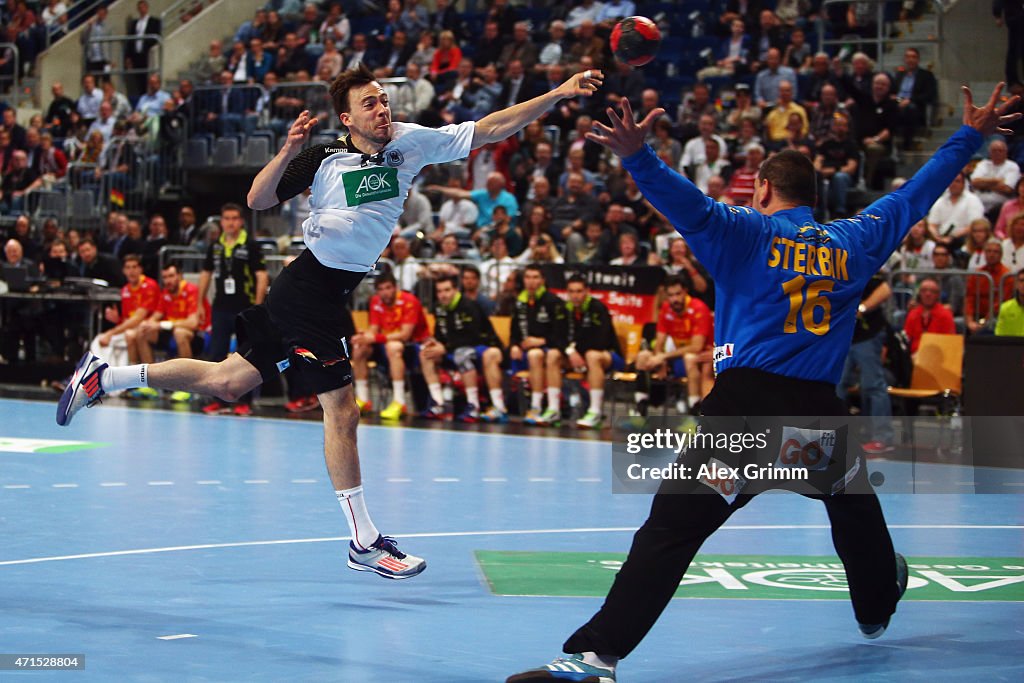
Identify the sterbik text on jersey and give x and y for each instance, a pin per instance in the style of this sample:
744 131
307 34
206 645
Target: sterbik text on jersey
809 253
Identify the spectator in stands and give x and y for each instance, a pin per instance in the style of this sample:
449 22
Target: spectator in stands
1011 312
695 105
497 268
714 164
950 218
22 233
23 26
664 145
682 346
229 109
135 241
976 306
680 261
51 166
520 49
331 60
122 108
972 254
797 55
151 103
411 98
572 210
446 60
156 239
538 222
212 63
104 123
694 151
916 250
7 58
778 118
188 231
585 342
539 194
406 266
952 286
516 87
820 125
96 53
462 336
136 52
14 255
586 10
259 62
863 366
586 44
877 120
1010 209
836 160
743 109
290 59
273 31
501 225
176 318
741 185
252 28
61 114
308 30
416 219
14 129
237 63
358 52
766 85
236 267
457 215
485 199
858 84
768 35
733 54
555 50
994 178
396 56
94 264
32 148
336 26
1013 245
16 181
470 279
927 314
916 90
396 326
629 252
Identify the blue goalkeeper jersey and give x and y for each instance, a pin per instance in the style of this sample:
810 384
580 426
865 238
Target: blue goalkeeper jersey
787 288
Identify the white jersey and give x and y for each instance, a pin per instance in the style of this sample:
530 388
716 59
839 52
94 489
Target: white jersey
356 198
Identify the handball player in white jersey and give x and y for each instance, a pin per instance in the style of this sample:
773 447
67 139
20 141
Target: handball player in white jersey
359 184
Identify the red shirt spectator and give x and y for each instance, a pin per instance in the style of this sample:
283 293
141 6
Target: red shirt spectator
976 303
741 186
694 320
929 315
406 310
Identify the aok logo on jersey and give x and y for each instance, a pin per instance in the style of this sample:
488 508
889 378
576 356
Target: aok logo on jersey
370 185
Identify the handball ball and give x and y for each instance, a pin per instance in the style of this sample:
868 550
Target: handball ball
635 40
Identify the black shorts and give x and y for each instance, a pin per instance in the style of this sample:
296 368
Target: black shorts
304 322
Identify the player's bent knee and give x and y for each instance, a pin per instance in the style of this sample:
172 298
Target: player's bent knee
394 348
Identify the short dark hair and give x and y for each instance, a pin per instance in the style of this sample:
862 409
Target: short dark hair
792 177
231 206
131 257
446 278
576 278
86 240
355 77
171 264
535 267
677 281
386 277
471 268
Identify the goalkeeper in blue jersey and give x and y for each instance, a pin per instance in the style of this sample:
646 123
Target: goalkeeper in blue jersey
787 291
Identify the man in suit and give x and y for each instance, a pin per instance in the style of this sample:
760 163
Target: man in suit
916 89
136 52
515 87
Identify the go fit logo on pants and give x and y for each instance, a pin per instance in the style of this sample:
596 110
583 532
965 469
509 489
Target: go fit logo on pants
722 479
809 449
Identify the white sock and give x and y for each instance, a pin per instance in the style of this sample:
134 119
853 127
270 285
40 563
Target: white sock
363 389
640 396
555 399
435 393
398 390
594 659
473 396
596 397
127 377
498 400
352 503
694 399
537 400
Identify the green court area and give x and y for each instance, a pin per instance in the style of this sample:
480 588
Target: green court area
751 577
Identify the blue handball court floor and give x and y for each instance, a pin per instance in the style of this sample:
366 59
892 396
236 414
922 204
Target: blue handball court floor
170 546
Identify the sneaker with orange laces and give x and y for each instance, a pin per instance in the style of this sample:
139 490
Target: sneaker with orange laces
365 407
243 410
217 408
303 404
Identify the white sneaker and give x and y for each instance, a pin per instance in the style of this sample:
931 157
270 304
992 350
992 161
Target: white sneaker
383 557
83 390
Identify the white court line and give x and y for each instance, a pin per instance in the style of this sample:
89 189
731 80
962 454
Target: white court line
17 486
589 480
65 486
446 480
160 483
109 484
208 482
541 479
399 480
256 481
456 534
495 480
303 481
177 637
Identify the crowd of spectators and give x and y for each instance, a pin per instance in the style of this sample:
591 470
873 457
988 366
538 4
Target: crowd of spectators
548 195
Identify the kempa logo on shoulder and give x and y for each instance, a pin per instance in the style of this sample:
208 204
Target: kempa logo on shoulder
722 352
370 185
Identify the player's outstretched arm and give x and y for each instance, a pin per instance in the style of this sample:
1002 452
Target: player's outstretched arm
263 193
507 122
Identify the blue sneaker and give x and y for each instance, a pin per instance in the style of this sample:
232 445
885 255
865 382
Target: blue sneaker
384 558
566 669
83 389
494 415
469 414
872 631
